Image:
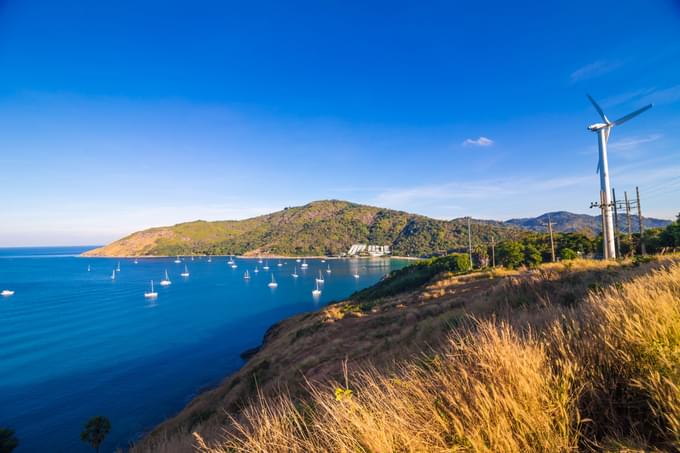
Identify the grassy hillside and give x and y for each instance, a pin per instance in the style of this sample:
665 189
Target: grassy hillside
318 228
581 355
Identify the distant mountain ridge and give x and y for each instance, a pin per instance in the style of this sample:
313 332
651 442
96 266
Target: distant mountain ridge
330 227
568 222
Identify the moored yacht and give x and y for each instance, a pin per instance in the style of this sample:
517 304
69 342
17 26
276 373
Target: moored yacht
151 294
166 281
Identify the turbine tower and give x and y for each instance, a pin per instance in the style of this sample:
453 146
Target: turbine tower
603 130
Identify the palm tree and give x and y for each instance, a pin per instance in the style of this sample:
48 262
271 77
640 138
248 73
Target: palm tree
8 441
95 431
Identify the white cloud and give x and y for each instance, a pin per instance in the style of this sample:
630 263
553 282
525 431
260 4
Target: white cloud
595 69
481 141
633 142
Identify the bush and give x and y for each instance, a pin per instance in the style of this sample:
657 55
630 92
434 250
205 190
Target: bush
510 254
532 257
568 254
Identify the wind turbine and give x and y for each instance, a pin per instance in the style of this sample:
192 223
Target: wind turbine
603 130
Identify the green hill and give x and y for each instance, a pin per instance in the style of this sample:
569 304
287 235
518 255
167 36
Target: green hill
319 228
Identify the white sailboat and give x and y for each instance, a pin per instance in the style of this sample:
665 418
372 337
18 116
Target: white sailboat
233 265
186 271
304 264
323 261
135 261
118 268
192 257
319 279
297 260
259 260
151 294
177 260
6 293
113 275
295 274
280 263
273 283
256 270
266 266
246 276
210 259
88 268
231 260
328 271
356 275
316 292
166 281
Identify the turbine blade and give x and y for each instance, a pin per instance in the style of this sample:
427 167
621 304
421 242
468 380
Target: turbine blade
623 119
597 107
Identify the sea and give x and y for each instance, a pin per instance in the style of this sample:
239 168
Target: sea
75 343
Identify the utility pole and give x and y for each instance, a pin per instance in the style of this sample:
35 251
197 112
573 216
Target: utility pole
639 209
552 242
493 252
470 243
630 225
617 233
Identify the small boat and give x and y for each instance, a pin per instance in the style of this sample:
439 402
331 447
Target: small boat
295 274
319 279
356 275
135 261
273 283
280 263
192 257
6 293
88 268
323 261
186 271
256 270
297 260
266 266
328 271
113 275
151 294
231 260
234 266
259 260
316 292
166 281
246 276
210 259
304 264
118 268
177 260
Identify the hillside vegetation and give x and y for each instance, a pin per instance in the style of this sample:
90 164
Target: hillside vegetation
581 355
318 228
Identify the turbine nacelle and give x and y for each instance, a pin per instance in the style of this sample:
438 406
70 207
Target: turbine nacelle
597 126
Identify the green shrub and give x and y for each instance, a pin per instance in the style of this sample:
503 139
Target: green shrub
567 254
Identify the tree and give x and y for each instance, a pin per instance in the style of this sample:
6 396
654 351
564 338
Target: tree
510 254
8 441
568 254
532 257
95 431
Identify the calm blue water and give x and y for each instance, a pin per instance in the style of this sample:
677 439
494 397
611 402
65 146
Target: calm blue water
74 343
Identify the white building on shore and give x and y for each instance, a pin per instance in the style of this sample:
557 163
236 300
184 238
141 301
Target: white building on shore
369 250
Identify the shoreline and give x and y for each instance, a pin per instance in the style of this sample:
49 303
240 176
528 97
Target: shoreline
250 257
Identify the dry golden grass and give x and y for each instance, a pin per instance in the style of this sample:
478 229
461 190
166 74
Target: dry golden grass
601 374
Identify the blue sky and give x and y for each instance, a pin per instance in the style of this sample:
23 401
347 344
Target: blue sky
125 115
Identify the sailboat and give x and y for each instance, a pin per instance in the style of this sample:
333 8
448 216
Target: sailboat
328 271
323 261
192 257
113 275
118 268
233 265
304 264
151 294
210 259
246 276
177 260
135 261
6 293
88 268
166 281
231 260
319 279
266 266
259 260
256 270
280 263
356 275
297 260
295 274
316 292
273 283
186 271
